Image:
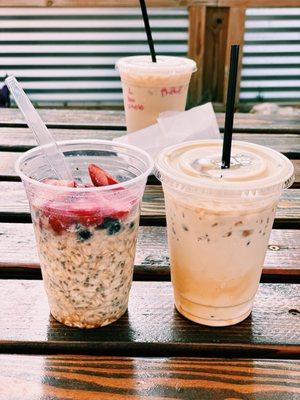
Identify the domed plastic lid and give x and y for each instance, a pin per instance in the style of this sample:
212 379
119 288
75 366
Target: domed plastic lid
195 167
165 65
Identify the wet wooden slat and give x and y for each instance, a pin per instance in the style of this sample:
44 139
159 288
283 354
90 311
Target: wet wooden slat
151 326
18 252
93 119
66 118
21 139
122 378
14 205
7 162
288 210
8 158
151 3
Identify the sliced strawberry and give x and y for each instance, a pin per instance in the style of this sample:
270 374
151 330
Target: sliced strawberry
86 213
56 182
100 177
62 213
88 210
97 175
58 217
57 223
111 179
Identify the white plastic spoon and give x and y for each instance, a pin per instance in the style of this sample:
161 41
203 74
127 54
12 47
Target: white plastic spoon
44 138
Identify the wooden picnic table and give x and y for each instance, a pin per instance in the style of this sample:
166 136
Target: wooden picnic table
151 352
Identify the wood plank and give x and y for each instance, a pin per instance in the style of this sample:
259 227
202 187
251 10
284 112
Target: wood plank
21 139
64 118
14 205
8 159
89 3
152 327
120 378
196 46
235 35
223 27
150 3
98 119
18 256
256 123
287 144
253 3
216 29
7 162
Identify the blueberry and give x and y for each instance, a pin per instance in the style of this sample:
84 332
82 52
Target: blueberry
84 234
114 228
131 225
112 225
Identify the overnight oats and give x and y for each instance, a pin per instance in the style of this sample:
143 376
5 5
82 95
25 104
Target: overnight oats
219 223
86 233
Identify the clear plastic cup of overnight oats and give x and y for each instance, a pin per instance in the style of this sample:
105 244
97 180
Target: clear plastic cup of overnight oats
86 236
219 223
151 88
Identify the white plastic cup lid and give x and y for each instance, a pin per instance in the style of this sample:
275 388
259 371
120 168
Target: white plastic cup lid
195 167
165 65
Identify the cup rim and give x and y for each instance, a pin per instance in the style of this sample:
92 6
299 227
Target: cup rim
187 65
93 189
167 176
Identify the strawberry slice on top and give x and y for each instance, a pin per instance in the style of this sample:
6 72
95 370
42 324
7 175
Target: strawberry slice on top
61 215
100 177
89 209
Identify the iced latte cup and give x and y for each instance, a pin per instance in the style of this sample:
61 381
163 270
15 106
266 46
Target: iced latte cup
219 222
151 88
86 229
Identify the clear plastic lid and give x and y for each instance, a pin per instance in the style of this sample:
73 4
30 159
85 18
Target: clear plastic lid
195 167
165 65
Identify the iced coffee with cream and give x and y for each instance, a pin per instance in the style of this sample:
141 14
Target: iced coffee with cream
151 88
219 223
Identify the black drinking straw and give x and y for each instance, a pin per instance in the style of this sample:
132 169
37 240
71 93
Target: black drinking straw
148 30
227 139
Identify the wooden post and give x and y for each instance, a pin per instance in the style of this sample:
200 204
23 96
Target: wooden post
196 51
212 30
235 35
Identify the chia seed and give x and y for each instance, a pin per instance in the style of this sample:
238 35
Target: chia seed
87 272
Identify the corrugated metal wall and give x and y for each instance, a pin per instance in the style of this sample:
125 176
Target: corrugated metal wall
271 62
67 56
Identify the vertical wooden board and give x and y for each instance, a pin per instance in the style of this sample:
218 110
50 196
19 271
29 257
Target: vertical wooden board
196 51
223 27
216 28
235 35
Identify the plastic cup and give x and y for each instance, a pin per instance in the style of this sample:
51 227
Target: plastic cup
86 237
219 222
152 88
